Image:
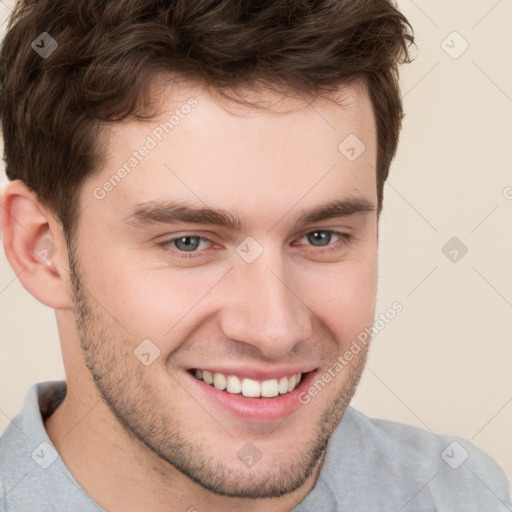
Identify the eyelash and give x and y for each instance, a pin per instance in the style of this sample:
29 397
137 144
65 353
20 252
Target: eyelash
344 239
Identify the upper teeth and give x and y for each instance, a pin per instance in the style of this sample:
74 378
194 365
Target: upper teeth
250 387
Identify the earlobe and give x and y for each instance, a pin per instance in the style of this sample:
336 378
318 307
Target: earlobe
34 246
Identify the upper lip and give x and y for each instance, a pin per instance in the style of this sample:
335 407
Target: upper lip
257 373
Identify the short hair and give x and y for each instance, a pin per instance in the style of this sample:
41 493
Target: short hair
53 109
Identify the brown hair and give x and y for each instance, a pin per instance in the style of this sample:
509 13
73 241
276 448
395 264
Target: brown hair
53 109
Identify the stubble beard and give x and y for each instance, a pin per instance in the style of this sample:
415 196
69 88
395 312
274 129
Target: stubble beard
124 386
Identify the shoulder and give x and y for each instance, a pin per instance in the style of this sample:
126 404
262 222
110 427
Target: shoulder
410 445
31 472
15 463
419 465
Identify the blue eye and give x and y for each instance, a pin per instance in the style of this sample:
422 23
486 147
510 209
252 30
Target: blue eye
187 243
323 237
192 244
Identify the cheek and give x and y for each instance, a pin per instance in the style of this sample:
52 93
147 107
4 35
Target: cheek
344 297
147 298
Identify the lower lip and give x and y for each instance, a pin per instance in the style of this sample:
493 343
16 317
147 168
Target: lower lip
255 409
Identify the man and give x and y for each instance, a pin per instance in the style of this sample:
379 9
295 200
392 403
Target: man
195 189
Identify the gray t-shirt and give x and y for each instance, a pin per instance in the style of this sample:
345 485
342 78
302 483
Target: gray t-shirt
371 466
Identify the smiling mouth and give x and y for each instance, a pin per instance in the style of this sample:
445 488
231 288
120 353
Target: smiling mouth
246 387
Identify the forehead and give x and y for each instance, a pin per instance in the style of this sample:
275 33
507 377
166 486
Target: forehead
202 148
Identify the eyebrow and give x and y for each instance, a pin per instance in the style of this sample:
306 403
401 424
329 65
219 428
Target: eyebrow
171 212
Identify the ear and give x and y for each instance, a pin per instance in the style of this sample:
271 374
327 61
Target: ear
35 246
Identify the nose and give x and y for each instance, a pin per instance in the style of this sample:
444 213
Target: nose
264 308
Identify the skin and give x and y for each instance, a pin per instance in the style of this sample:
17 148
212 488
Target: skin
140 437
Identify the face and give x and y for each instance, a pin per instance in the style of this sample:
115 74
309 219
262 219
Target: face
241 247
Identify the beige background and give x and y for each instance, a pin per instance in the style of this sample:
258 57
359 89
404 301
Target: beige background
445 362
